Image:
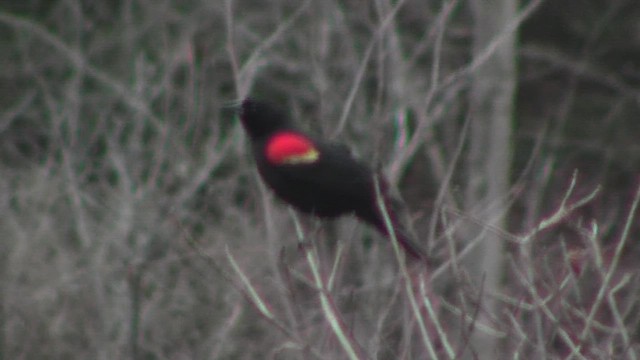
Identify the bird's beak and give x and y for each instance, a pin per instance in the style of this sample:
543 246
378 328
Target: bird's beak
232 108
235 105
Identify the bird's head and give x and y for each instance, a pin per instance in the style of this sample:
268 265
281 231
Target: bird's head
261 119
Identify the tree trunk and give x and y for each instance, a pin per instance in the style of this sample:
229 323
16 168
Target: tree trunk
491 106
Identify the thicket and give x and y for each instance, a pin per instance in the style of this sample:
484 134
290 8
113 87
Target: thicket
133 224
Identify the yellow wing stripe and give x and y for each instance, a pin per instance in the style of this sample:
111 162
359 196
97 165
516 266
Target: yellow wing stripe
309 157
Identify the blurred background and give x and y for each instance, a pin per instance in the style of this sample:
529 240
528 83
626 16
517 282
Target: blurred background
128 188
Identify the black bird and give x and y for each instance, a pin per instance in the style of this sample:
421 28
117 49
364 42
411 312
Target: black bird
315 176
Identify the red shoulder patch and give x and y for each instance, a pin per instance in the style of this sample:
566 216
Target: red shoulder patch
291 148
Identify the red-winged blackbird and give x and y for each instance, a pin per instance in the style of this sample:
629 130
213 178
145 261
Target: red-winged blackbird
314 176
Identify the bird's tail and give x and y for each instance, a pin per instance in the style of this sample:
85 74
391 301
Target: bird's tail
393 207
404 237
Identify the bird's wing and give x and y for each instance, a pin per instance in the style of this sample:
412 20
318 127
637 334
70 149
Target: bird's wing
336 171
